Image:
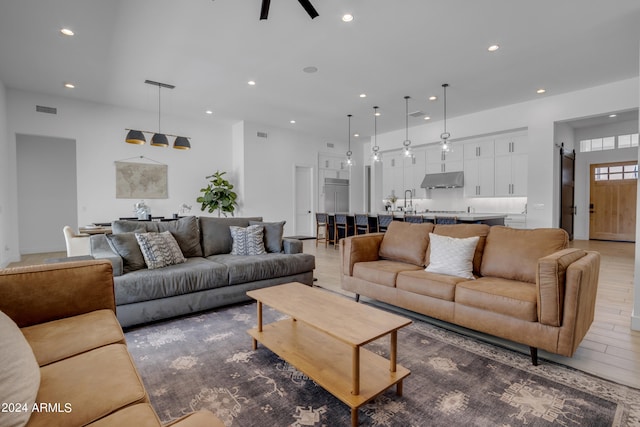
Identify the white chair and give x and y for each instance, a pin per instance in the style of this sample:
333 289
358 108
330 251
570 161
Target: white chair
77 244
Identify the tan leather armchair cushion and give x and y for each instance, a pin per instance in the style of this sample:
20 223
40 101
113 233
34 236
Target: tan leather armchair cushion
551 278
513 254
406 242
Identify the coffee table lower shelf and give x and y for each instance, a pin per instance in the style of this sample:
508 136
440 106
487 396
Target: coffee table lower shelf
328 362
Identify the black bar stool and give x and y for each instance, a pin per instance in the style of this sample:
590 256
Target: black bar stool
322 224
362 223
339 223
446 220
384 221
414 219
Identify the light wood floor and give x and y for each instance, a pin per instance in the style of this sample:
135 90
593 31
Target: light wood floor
610 350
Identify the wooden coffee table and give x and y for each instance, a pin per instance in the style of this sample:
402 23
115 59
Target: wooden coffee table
324 339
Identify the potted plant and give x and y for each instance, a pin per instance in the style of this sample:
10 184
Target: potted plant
218 195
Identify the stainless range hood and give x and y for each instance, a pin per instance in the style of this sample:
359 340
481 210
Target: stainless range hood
443 180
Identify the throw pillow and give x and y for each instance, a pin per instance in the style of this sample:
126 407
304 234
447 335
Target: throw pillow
126 246
19 372
452 256
159 249
247 241
273 232
216 237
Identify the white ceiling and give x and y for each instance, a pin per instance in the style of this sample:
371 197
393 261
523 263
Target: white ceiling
209 49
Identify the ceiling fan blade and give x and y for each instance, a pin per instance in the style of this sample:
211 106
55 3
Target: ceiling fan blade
309 8
264 11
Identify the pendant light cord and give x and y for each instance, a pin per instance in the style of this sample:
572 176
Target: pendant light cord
445 107
375 127
406 118
349 136
159 106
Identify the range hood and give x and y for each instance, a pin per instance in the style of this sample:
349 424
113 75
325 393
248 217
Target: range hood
443 180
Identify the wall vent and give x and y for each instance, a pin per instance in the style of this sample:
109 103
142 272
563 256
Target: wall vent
262 134
330 145
48 110
418 114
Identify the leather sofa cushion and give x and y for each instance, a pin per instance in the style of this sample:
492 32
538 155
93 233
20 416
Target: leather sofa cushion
197 274
406 242
216 236
251 268
59 339
508 297
551 281
383 272
434 285
95 384
140 415
513 254
184 230
462 231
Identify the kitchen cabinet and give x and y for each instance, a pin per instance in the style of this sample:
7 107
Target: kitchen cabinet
510 144
438 161
392 175
511 175
479 173
415 168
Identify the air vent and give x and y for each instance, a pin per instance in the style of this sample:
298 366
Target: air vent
48 110
418 114
330 145
262 134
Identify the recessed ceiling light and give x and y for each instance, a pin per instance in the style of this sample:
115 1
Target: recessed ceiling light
209 112
69 85
427 118
613 115
355 135
251 83
310 69
541 91
363 95
493 48
292 122
433 98
67 32
347 17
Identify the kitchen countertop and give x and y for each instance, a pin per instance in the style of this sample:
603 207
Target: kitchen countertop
462 216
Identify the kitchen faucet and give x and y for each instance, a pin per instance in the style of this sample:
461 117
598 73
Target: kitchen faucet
410 198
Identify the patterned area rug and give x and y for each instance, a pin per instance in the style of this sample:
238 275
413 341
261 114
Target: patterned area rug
206 361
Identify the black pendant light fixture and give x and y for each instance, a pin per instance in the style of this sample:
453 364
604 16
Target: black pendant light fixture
158 139
376 155
444 136
349 153
306 4
406 144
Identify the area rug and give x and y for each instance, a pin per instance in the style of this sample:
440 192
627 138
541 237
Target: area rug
205 361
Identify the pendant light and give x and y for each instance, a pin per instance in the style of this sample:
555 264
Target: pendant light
376 155
446 145
159 139
406 144
349 153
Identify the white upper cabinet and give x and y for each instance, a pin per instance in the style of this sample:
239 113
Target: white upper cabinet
479 149
439 161
511 165
507 145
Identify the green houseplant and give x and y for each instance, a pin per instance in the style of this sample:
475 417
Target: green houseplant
218 195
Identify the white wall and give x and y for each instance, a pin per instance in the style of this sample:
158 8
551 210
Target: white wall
99 132
5 177
538 117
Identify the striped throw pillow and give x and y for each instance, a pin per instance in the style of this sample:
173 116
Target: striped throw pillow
159 249
247 241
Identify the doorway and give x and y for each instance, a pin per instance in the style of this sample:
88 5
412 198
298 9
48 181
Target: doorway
303 191
47 191
612 206
567 190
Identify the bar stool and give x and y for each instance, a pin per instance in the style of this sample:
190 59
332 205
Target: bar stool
414 219
384 221
322 224
362 224
339 223
446 220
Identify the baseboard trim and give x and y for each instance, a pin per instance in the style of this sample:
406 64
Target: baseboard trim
635 321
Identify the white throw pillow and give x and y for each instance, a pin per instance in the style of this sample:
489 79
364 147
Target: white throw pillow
19 374
452 256
159 249
247 241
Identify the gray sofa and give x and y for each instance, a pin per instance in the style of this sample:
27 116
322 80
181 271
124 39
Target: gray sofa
211 276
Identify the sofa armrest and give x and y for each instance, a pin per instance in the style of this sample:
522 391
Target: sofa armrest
100 249
361 248
550 281
42 293
292 246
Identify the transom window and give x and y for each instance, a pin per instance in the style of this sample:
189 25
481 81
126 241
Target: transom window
616 172
609 143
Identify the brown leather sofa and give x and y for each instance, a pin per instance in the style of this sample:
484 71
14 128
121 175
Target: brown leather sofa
529 287
82 373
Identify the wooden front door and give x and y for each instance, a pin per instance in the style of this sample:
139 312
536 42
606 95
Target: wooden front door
613 201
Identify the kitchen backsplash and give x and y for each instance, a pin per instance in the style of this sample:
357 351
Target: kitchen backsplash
454 200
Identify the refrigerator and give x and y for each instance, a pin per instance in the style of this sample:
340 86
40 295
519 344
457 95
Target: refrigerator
336 195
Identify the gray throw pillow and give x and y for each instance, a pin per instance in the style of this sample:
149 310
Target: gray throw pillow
186 232
247 241
126 246
273 232
159 249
